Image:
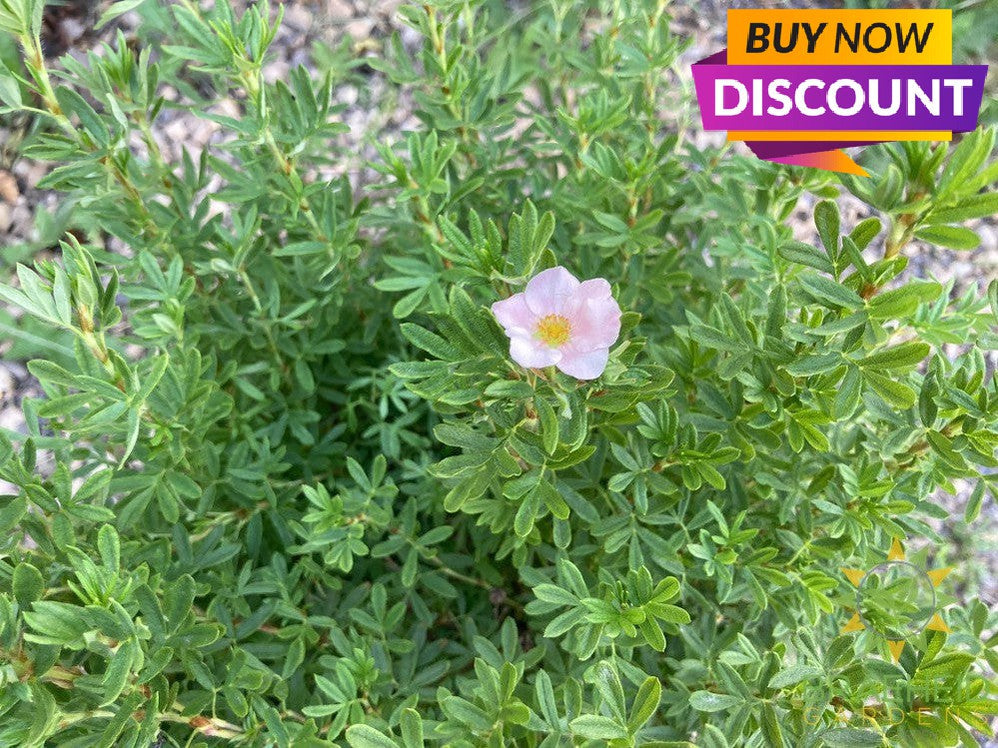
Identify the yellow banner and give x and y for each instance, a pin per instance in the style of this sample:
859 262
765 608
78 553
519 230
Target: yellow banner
840 37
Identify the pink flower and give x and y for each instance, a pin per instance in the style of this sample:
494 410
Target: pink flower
559 321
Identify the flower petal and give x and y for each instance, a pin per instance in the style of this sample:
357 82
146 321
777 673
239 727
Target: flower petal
531 353
595 288
549 291
588 365
514 315
595 324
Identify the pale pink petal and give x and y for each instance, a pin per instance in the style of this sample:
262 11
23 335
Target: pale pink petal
595 288
514 315
589 309
588 365
549 291
595 324
531 353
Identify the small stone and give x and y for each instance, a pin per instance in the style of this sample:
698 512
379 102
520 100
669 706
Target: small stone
359 28
8 187
12 419
16 369
989 237
297 17
228 107
8 384
73 29
338 10
411 38
276 71
21 219
347 95
34 172
177 131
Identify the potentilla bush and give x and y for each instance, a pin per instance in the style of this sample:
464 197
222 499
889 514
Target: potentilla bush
554 435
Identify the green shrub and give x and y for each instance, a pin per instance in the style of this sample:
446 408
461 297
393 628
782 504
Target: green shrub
286 486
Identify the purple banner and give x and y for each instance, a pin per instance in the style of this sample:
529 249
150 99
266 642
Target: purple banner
838 97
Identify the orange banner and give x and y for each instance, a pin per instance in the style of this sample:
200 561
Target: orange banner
840 37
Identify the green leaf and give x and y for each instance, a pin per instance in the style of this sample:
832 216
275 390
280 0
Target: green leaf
551 593
829 292
815 364
969 208
597 727
509 389
864 232
652 633
117 9
548 424
850 737
902 356
430 342
363 736
409 303
523 522
466 712
435 535
118 670
671 614
300 249
771 727
545 697
973 508
610 689
564 622
12 512
410 569
528 237
981 706
275 727
904 301
72 103
805 254
954 237
28 584
965 159
826 220
10 90
152 377
708 701
793 675
553 500
893 392
45 713
61 297
52 373
293 658
645 703
946 666
109 547
411 725
849 392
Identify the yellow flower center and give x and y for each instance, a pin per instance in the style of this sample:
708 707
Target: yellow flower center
553 330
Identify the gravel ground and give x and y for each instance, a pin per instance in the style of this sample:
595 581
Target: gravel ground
366 24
